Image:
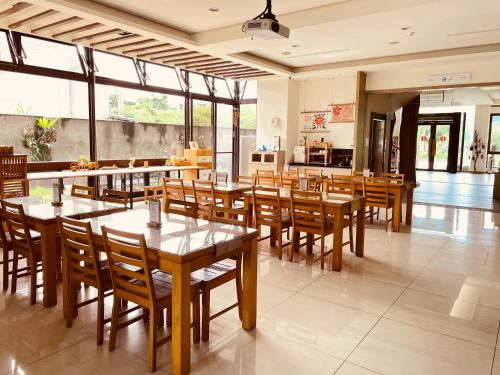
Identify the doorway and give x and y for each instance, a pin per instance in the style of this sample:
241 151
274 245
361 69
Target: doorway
376 159
438 139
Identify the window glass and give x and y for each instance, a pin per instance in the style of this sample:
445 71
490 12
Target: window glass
495 133
202 123
198 84
4 48
250 89
248 132
221 89
51 55
136 123
224 128
162 76
58 105
115 67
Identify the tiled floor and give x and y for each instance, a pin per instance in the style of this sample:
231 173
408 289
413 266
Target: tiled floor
419 302
468 190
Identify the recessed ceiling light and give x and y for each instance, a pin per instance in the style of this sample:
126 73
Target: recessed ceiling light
394 42
295 45
406 28
285 53
213 9
124 33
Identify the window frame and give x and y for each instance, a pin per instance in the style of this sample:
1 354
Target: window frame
497 152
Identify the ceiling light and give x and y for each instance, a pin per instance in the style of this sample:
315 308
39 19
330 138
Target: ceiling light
124 33
406 28
295 45
213 9
394 42
285 53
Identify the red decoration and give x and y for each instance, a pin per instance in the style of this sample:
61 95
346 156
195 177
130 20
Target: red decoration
424 138
442 138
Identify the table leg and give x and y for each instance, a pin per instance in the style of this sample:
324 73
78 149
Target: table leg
396 211
131 189
49 259
181 318
65 294
338 231
249 209
272 237
309 243
360 230
249 308
109 181
409 205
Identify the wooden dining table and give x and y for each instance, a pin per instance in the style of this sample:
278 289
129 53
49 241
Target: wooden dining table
337 205
183 245
227 192
42 217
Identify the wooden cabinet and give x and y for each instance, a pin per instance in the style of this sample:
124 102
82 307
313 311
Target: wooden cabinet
319 154
266 160
200 157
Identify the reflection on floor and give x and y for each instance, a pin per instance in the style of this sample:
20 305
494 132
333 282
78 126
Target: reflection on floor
459 190
421 302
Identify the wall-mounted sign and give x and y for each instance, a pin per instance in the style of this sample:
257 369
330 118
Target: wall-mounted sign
442 138
341 112
424 138
314 121
449 78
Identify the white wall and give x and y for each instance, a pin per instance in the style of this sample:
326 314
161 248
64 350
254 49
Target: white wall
316 95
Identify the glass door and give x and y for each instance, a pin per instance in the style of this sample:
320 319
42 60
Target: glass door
433 141
442 143
423 141
224 139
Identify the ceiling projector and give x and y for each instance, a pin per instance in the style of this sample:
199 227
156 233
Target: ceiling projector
266 26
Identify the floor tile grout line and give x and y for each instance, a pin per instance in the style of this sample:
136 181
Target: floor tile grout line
495 351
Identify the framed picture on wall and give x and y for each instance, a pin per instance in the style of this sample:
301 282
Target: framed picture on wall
341 113
314 121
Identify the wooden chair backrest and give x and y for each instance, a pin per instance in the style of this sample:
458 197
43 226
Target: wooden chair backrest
307 211
289 180
181 207
173 188
219 176
313 172
267 206
293 171
232 216
376 191
394 178
81 253
265 178
82 191
18 227
340 184
115 196
4 243
246 180
204 196
313 183
129 267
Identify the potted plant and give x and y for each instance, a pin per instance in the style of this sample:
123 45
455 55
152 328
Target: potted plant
40 138
477 149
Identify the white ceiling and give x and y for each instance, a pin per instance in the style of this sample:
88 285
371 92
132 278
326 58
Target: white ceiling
462 96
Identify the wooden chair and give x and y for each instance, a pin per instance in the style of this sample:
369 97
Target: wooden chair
181 207
219 176
268 212
25 243
204 197
115 196
246 180
221 272
313 172
156 190
293 171
394 178
83 265
289 180
173 188
134 280
376 192
265 178
82 191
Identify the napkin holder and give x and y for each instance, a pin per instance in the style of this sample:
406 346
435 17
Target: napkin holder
154 213
56 195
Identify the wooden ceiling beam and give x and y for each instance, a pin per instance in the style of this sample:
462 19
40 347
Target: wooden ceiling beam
63 22
118 39
33 18
221 63
229 68
14 9
174 55
177 49
142 49
91 26
139 42
231 73
184 57
96 35
180 61
199 63
242 76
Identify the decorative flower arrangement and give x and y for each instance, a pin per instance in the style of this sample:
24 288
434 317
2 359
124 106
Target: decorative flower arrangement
40 138
477 149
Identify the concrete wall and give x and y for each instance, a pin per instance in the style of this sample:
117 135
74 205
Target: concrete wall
115 139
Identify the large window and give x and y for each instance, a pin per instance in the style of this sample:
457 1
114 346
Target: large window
202 123
198 84
4 48
248 134
60 106
162 76
137 123
224 89
51 55
494 139
115 67
224 137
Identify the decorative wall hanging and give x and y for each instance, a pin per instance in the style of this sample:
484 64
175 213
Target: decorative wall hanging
315 121
341 112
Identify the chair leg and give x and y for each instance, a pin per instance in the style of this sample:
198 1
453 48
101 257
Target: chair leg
205 314
71 305
378 212
280 243
5 266
15 262
322 252
351 236
169 317
371 214
100 318
386 218
196 315
239 287
152 340
292 245
32 267
114 323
